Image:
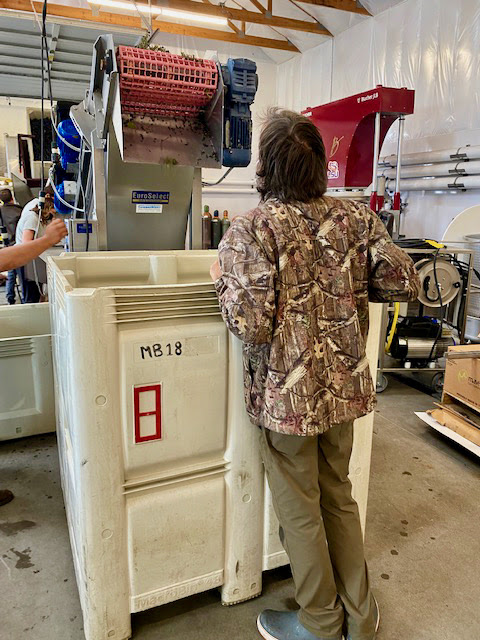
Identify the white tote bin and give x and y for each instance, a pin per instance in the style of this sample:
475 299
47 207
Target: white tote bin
27 403
162 478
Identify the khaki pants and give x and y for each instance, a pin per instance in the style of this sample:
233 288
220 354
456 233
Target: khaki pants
312 497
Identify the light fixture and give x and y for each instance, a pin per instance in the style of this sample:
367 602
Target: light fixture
157 11
198 17
127 6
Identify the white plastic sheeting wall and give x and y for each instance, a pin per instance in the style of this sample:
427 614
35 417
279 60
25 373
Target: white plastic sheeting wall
377 6
429 45
305 81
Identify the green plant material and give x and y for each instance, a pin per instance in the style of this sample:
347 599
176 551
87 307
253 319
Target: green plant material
145 44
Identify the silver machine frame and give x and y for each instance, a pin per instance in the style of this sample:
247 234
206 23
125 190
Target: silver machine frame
122 152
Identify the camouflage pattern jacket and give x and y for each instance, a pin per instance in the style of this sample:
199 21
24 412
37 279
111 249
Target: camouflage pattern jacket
295 289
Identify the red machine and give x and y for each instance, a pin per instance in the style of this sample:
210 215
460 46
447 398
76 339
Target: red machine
353 130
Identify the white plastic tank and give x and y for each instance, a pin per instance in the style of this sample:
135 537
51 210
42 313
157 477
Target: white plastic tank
163 483
27 405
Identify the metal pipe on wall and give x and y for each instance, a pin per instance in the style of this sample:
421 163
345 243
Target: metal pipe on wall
426 157
457 183
217 190
470 167
234 183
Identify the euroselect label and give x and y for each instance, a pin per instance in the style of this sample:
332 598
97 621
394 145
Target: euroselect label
150 197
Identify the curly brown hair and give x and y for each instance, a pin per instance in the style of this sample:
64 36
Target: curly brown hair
292 165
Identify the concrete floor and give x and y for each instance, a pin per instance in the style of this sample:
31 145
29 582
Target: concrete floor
423 544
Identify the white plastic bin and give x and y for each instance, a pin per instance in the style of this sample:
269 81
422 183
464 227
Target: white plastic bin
27 404
162 478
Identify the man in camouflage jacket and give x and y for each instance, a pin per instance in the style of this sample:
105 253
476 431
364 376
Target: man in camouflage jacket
294 280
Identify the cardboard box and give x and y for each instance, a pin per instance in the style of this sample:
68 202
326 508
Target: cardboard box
462 376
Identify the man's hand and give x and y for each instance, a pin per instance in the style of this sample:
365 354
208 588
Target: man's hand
55 231
19 254
215 271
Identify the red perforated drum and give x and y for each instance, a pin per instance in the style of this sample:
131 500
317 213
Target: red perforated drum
163 84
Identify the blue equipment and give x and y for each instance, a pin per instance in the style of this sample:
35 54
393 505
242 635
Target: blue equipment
241 82
68 132
59 206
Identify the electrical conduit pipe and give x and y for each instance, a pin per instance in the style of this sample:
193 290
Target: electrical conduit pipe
428 157
467 168
457 182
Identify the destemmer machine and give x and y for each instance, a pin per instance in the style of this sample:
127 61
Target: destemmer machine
149 123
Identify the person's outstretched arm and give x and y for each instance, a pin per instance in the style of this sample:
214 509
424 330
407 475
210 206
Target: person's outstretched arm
21 254
392 276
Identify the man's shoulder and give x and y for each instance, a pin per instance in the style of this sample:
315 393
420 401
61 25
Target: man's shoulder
28 218
30 205
255 225
348 206
253 218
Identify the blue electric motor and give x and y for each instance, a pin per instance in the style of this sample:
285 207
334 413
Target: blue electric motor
241 82
67 131
59 206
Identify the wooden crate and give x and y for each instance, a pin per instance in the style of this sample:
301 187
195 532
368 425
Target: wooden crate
458 417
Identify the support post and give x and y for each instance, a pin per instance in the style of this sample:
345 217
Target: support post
396 197
196 213
376 152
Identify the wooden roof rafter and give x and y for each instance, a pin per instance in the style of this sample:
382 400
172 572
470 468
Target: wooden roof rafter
352 6
263 16
134 22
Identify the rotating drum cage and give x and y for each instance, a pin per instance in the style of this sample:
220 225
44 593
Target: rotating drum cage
162 84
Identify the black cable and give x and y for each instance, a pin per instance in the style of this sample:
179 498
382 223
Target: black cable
87 243
214 184
50 90
413 243
440 330
467 267
463 269
42 134
426 284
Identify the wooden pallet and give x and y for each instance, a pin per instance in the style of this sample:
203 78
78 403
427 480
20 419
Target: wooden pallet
458 418
448 433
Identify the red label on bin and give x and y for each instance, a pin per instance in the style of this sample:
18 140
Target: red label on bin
147 408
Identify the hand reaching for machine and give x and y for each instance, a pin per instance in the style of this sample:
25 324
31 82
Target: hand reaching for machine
55 231
20 254
215 270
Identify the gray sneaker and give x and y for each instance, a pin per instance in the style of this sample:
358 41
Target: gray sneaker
283 625
377 618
